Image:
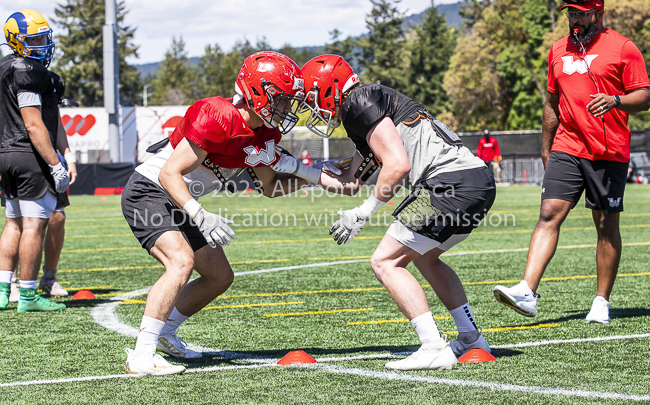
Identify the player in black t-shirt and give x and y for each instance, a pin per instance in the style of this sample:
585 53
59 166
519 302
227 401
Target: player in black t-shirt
31 170
451 191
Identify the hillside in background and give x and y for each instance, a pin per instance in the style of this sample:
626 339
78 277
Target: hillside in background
451 12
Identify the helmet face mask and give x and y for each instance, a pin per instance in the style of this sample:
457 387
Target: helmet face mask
29 35
273 87
327 77
281 111
318 116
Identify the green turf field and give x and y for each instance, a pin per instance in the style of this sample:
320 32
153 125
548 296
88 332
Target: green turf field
324 299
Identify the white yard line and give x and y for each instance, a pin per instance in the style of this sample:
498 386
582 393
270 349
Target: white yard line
105 316
387 375
552 342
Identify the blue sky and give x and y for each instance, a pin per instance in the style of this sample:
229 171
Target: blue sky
222 22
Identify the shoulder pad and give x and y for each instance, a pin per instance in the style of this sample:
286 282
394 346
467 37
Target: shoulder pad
30 75
58 84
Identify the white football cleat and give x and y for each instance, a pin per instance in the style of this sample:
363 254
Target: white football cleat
14 295
599 311
460 347
52 287
435 355
174 346
519 297
148 362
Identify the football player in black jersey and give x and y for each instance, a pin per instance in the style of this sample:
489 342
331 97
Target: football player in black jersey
451 191
31 171
55 234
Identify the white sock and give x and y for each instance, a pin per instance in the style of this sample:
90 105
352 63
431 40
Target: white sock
5 276
425 327
173 322
149 331
31 284
464 318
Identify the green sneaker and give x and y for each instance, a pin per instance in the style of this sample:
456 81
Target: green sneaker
5 289
29 301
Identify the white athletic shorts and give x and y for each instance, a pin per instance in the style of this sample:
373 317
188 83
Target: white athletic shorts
42 208
421 243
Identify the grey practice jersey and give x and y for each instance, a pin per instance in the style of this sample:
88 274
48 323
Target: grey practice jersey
432 148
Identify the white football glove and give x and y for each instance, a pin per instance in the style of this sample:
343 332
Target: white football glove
61 179
214 227
291 165
352 221
346 228
327 166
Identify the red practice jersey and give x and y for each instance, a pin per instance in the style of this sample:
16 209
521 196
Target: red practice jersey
217 127
617 68
488 149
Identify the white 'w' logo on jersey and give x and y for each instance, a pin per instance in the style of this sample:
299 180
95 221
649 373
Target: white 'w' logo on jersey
570 66
255 156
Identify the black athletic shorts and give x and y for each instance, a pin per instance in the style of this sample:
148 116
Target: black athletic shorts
150 212
449 204
25 176
567 176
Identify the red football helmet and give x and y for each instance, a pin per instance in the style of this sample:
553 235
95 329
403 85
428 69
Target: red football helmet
326 78
273 87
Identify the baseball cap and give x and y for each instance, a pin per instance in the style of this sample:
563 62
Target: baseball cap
586 5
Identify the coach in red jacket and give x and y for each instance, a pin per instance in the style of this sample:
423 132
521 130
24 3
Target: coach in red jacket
596 78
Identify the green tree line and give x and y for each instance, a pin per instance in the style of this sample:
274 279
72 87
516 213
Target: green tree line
490 73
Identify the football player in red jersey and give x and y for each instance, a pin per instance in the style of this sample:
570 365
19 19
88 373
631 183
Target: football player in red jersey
596 78
215 139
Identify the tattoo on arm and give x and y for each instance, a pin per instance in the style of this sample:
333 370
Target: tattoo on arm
550 122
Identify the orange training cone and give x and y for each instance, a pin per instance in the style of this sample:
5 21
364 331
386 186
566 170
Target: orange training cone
83 295
476 356
296 357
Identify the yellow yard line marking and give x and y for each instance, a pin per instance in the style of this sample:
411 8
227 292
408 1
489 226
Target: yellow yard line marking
133 302
255 305
160 266
125 225
110 235
584 228
303 292
129 301
343 290
259 242
321 312
96 219
543 325
393 321
99 250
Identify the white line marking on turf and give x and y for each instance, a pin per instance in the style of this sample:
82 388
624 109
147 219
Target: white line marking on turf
551 342
374 374
104 315
477 384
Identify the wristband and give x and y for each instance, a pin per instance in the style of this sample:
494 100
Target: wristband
618 99
56 166
370 206
70 157
309 173
192 207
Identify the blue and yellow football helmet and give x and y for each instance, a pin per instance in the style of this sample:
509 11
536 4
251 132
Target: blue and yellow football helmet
29 35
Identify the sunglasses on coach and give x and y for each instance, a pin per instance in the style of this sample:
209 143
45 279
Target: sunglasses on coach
577 15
